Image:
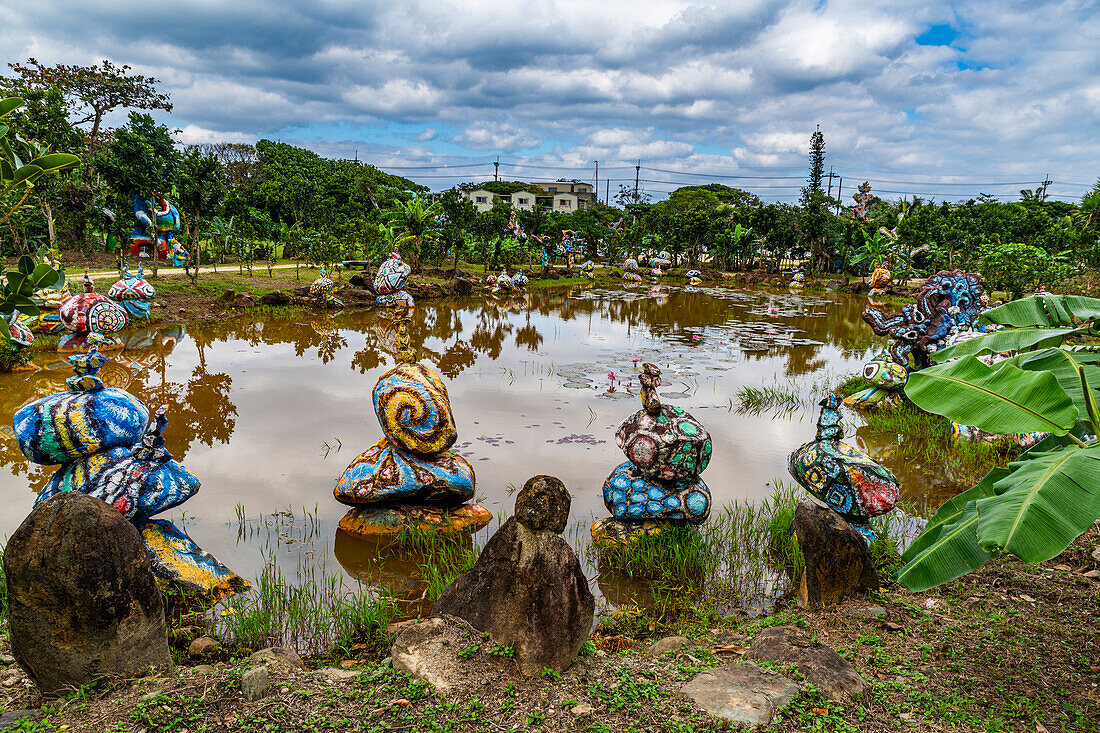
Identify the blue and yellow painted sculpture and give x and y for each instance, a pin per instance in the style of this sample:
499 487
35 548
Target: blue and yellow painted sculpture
667 449
588 269
389 281
519 280
887 380
410 479
91 313
851 482
134 293
108 447
630 270
323 289
693 277
660 262
157 219
572 246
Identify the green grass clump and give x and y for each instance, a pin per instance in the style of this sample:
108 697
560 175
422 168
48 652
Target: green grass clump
851 385
779 398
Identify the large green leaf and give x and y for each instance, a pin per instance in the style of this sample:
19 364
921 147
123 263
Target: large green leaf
43 276
1013 339
8 104
1065 366
23 303
1046 502
948 551
950 510
1004 400
1044 310
55 162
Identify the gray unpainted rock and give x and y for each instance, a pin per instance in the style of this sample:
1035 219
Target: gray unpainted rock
838 563
82 598
10 718
527 588
741 693
832 674
668 644
873 612
278 655
255 683
429 651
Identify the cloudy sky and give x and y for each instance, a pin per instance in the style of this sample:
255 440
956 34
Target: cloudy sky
934 98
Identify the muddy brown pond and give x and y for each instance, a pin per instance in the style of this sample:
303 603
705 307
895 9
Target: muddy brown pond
268 414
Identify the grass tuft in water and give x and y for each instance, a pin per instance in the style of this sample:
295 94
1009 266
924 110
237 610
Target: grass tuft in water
781 398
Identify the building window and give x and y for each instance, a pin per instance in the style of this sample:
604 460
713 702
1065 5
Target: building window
482 200
553 189
525 201
563 203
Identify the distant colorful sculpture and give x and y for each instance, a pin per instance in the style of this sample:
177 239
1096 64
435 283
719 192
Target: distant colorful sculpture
87 313
515 227
157 219
630 270
324 290
134 293
851 482
588 269
887 380
660 262
659 485
389 281
693 277
571 246
110 449
949 302
617 226
863 201
798 279
504 284
410 478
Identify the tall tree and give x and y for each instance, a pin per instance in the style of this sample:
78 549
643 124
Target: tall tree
93 91
813 200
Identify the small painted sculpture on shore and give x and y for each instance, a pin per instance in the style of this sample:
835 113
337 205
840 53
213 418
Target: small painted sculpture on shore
880 278
410 479
949 302
659 484
108 447
799 278
588 269
519 280
571 246
19 337
323 289
547 247
88 313
660 262
134 293
503 284
389 281
693 277
157 220
887 380
630 270
851 482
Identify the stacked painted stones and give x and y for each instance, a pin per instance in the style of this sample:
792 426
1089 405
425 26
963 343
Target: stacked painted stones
410 478
390 279
630 270
87 313
324 290
135 294
519 281
588 269
659 485
504 284
108 448
851 482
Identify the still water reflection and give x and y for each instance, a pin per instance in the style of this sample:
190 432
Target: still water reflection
267 414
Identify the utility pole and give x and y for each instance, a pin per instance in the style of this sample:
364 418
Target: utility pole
496 169
596 185
637 168
831 177
839 190
1046 182
607 192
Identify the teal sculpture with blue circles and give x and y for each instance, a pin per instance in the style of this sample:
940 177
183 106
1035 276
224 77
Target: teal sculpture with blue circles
659 485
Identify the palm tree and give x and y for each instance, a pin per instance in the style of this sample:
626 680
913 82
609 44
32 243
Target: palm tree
1088 211
414 224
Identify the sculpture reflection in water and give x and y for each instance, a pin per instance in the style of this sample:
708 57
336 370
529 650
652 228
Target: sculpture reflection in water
410 479
659 486
108 446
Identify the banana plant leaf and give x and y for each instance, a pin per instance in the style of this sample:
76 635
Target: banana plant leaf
1046 502
10 103
948 551
1004 400
1014 339
1064 365
1044 310
950 510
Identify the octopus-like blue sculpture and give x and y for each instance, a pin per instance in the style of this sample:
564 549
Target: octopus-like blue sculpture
851 482
158 220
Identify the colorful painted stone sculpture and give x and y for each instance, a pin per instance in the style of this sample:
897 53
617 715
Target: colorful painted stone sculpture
863 201
667 449
135 294
90 312
324 290
693 277
588 269
949 302
19 335
410 478
108 448
519 281
571 246
390 279
156 218
503 284
630 270
851 482
887 380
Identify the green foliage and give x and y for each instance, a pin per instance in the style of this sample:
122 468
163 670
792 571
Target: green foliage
1046 498
1013 266
23 162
